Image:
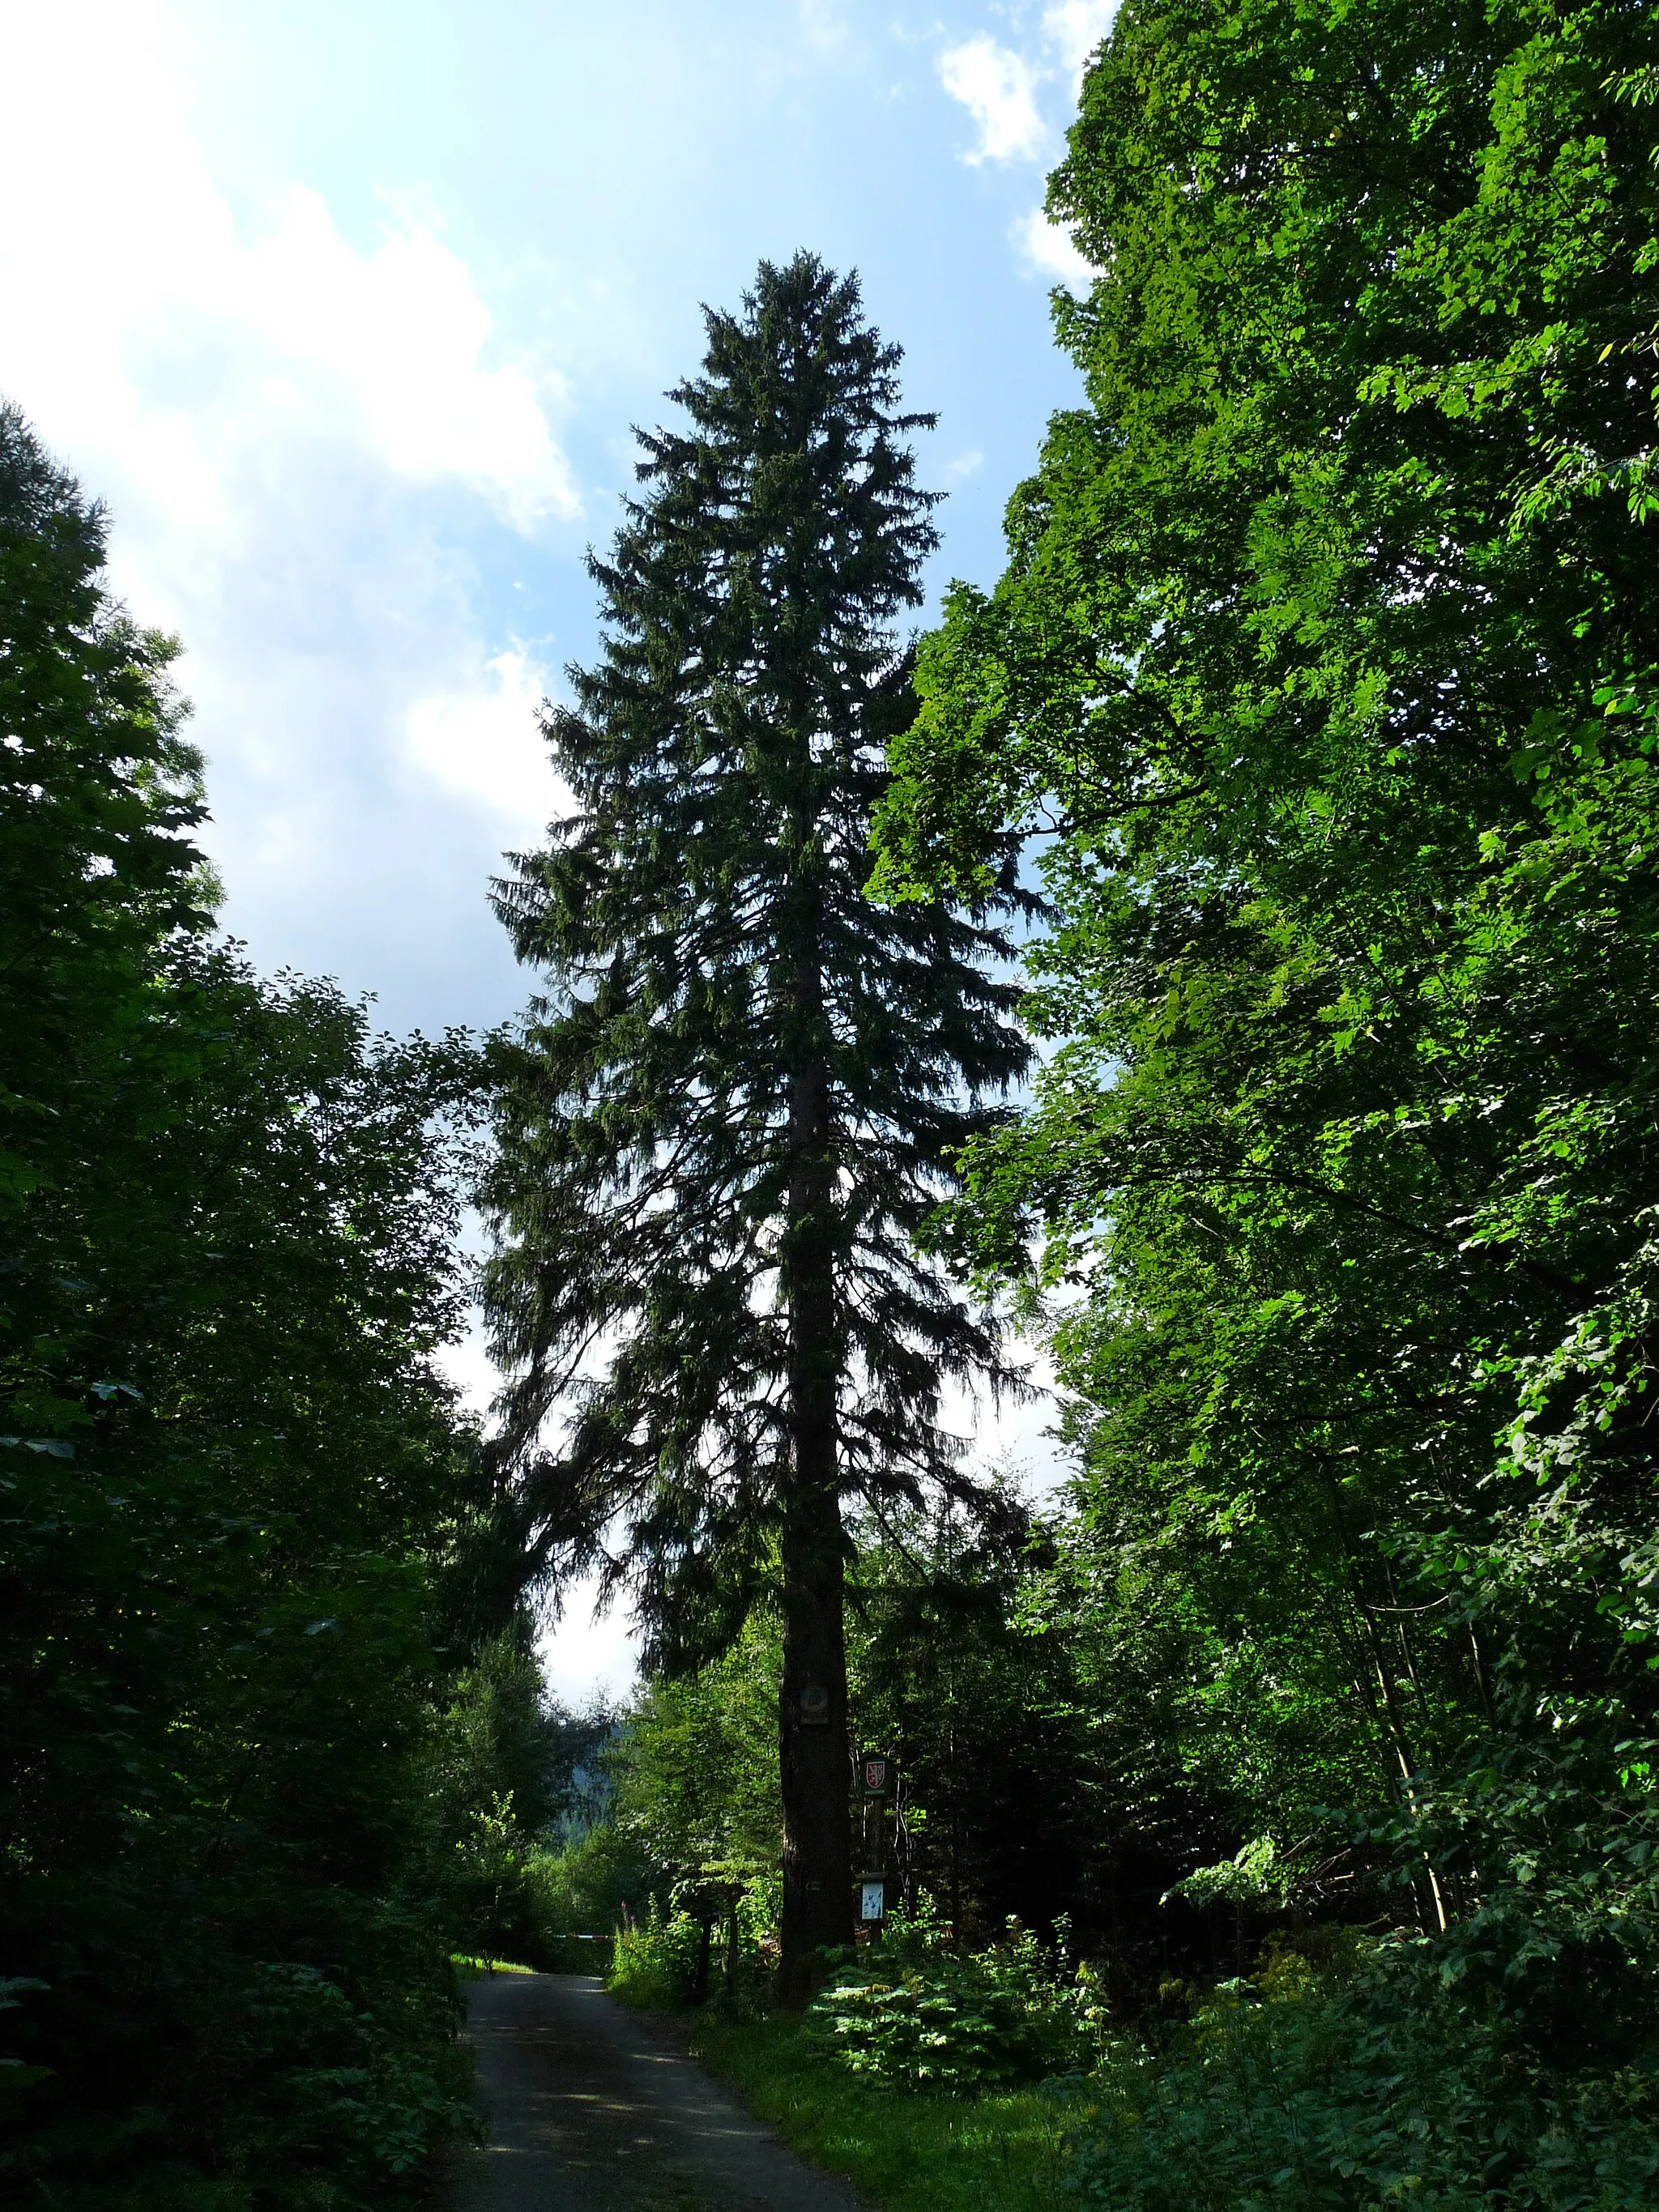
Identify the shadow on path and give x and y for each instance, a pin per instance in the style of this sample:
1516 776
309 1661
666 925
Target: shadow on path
591 2112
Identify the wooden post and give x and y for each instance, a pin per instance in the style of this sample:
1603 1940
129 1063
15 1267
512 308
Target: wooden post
875 1772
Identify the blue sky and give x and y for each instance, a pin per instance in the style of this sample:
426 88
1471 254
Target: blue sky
346 309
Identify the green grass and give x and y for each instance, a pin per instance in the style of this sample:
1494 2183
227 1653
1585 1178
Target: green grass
907 2152
470 1969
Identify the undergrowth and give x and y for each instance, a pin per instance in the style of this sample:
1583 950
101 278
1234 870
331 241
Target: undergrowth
1314 2097
1372 2075
912 2012
938 2109
908 2150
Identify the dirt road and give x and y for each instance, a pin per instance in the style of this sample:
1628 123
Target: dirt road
591 2112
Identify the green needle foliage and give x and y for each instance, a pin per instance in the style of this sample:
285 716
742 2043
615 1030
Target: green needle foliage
731 1114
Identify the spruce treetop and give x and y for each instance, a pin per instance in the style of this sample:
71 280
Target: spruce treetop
741 1091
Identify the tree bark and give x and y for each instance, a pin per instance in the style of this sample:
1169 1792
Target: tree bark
705 1945
817 1870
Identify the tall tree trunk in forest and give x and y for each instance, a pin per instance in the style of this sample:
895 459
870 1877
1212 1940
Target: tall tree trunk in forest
817 1866
1431 1904
817 1871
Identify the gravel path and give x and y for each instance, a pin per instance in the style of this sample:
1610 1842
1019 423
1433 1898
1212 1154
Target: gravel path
590 2111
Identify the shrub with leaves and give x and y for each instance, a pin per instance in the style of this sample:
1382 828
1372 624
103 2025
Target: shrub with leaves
915 2013
1314 2094
654 1961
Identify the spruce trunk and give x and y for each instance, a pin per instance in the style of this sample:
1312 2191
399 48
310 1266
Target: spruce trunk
817 1870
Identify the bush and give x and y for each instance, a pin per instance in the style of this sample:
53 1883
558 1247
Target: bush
654 1964
583 1888
1312 2096
309 2092
914 2013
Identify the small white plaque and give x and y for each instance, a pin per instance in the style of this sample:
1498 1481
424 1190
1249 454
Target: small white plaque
874 1900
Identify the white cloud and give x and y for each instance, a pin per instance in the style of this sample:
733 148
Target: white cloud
483 740
301 439
963 467
1052 251
123 271
400 338
1074 28
822 27
998 88
586 1652
466 1364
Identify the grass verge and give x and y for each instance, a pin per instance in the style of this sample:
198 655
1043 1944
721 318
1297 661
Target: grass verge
907 2152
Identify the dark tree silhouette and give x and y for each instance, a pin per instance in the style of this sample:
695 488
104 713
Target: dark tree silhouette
731 1115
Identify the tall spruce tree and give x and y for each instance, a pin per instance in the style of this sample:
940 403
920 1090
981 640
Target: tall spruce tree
728 1119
